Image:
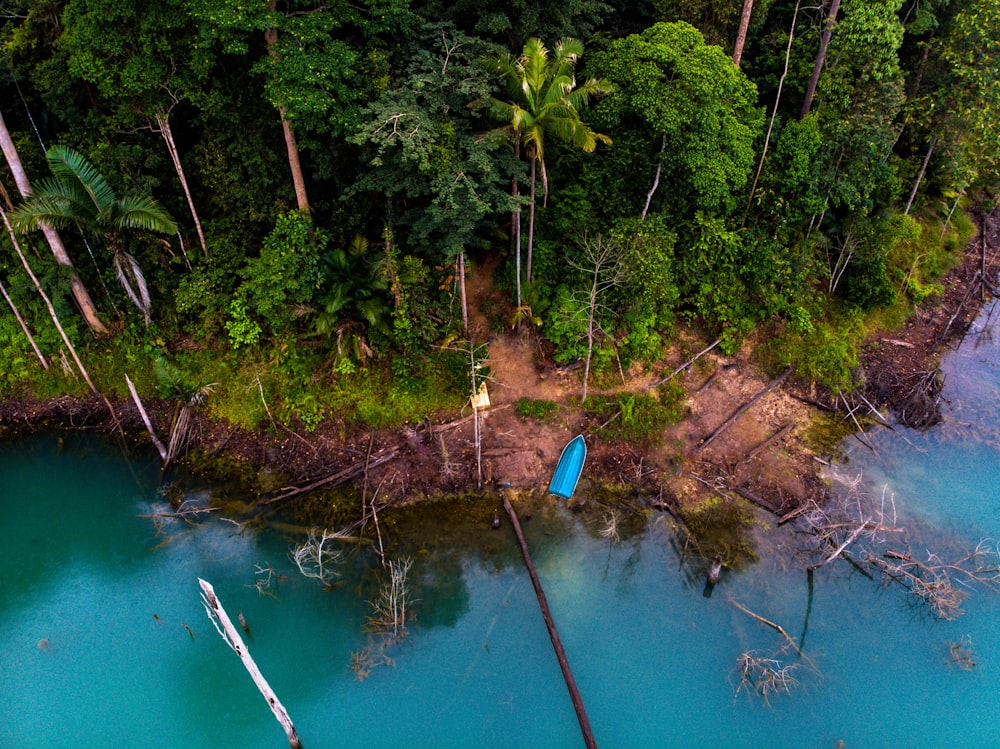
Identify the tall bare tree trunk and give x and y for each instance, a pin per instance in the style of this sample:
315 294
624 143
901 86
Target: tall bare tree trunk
55 318
298 179
163 122
774 112
920 177
531 219
516 222
741 33
24 327
461 286
824 42
80 293
656 178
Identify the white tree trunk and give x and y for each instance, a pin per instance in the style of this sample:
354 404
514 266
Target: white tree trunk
229 633
774 112
163 122
145 420
461 286
24 327
52 314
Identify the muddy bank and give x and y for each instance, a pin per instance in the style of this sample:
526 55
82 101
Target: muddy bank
900 369
764 455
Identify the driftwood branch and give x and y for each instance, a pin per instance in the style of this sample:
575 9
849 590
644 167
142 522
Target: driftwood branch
231 636
777 627
339 478
743 409
686 364
851 538
145 420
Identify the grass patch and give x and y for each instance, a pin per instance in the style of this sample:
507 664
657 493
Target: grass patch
722 527
825 433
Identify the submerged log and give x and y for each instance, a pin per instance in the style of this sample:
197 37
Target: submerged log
232 637
716 570
574 693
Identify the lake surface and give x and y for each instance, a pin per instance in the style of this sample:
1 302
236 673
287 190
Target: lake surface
104 641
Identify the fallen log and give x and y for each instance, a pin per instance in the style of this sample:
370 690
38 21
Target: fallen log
761 503
232 638
145 420
339 478
773 438
743 409
574 693
438 428
897 342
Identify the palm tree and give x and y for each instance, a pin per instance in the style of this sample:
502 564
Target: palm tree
354 303
545 99
78 195
80 293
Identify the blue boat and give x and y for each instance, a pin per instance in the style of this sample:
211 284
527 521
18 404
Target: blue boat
570 467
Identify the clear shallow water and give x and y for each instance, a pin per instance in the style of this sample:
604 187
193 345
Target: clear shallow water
85 663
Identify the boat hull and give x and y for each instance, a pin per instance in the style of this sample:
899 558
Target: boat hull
570 466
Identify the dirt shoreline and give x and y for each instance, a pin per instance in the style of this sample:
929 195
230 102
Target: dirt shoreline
764 456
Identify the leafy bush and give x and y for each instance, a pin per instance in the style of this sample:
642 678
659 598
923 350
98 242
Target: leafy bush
283 277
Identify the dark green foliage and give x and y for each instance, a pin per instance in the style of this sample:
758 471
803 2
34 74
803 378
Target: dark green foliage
698 110
386 99
789 190
278 283
827 352
511 22
353 304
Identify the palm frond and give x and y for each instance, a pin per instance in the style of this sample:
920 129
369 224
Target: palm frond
80 176
134 282
54 210
140 212
566 54
170 381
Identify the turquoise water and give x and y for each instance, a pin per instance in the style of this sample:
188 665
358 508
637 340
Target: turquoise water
104 641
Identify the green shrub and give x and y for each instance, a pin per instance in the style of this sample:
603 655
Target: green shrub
539 410
827 354
636 417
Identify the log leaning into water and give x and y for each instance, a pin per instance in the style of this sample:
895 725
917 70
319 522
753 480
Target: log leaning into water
574 693
743 409
145 420
232 637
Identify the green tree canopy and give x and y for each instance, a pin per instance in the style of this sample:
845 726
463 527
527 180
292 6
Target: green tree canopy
692 110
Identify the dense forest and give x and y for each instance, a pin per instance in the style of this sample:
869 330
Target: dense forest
280 201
